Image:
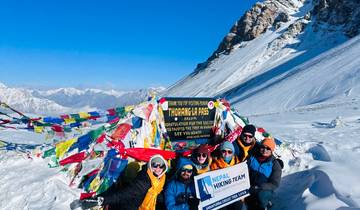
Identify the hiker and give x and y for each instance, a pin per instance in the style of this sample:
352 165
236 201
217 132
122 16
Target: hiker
143 193
265 175
201 159
245 143
226 159
180 191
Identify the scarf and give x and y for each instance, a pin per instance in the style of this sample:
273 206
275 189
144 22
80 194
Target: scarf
200 169
246 149
157 184
220 163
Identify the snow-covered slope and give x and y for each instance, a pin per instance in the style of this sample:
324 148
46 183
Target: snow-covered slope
330 78
321 169
294 41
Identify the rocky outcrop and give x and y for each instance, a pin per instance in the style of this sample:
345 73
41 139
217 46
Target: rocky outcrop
325 15
337 14
252 24
255 22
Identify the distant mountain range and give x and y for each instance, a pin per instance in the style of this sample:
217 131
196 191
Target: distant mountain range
65 100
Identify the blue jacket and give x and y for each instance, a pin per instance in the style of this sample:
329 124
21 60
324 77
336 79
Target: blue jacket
266 175
175 187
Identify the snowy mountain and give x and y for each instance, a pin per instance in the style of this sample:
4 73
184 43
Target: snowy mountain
291 66
66 100
276 40
100 99
24 101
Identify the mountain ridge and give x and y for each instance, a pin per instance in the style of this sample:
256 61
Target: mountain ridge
296 34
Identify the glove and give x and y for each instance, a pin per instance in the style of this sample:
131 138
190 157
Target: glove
254 190
193 202
86 203
181 198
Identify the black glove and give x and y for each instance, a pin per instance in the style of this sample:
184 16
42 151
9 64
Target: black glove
254 190
181 198
193 202
86 203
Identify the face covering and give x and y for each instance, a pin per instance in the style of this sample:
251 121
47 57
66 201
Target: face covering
228 158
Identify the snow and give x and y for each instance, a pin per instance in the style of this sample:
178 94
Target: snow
321 168
305 91
70 100
30 184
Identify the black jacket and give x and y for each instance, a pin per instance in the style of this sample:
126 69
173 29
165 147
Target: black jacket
131 196
266 175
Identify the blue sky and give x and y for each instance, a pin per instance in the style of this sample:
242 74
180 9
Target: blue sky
125 44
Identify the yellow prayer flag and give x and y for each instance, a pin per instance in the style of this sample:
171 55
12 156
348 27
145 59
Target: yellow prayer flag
69 120
84 115
129 108
38 129
95 184
62 147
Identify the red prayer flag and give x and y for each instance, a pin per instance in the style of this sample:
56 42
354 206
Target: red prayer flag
144 154
76 158
121 131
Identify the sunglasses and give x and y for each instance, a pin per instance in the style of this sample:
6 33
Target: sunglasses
204 155
245 136
265 148
157 165
187 170
227 151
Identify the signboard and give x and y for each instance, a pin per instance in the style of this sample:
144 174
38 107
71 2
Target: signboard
219 188
188 118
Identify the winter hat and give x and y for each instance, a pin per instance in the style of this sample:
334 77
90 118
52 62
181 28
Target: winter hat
188 167
227 145
249 129
203 148
269 142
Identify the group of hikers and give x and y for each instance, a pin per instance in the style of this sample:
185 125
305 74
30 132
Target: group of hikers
156 187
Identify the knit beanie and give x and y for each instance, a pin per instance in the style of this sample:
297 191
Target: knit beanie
269 142
227 145
249 129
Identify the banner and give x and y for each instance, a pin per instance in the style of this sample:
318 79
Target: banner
188 118
219 188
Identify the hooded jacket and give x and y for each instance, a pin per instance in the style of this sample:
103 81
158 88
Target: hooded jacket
131 196
176 187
